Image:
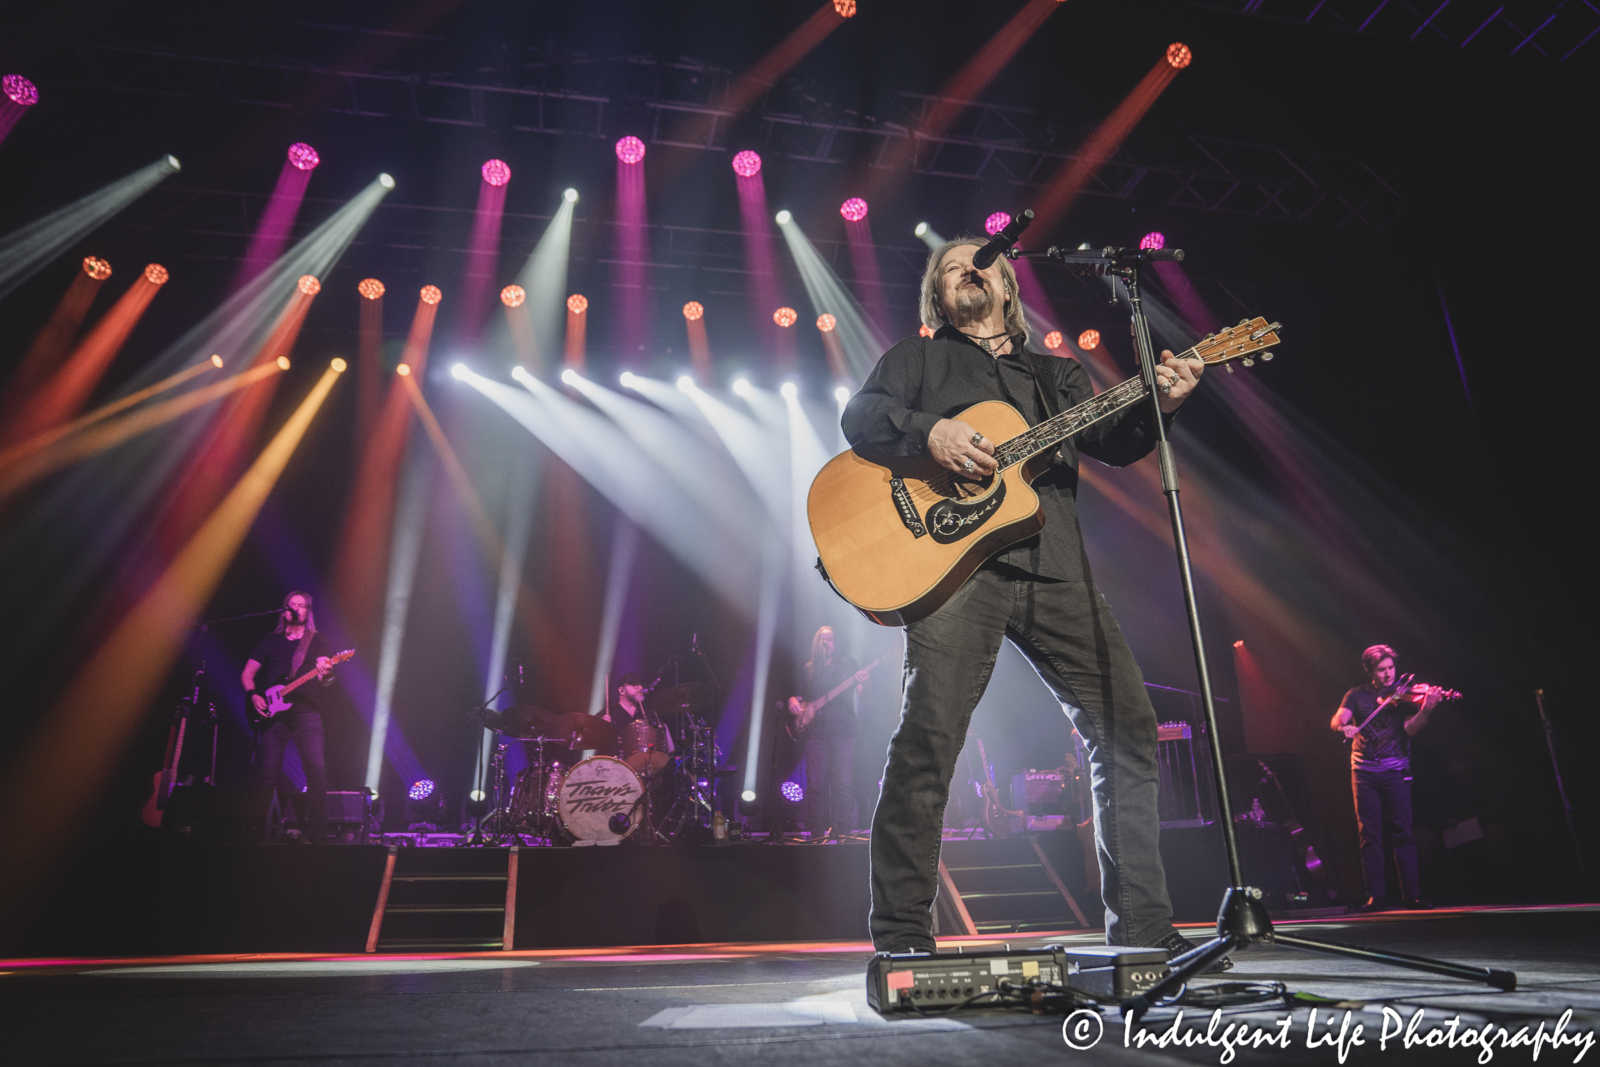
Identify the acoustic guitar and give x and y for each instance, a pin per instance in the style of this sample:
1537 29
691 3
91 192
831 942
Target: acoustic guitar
276 704
803 714
897 536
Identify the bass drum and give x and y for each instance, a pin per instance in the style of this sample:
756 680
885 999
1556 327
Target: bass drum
601 801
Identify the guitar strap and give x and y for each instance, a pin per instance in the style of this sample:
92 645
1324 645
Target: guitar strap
300 653
1040 370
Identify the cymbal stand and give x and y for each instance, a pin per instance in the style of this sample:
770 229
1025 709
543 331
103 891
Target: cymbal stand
1242 920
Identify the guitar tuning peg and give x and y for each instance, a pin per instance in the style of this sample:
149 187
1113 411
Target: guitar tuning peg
1248 362
1244 322
1230 368
1266 357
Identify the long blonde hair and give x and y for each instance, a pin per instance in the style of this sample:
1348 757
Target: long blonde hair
932 307
311 618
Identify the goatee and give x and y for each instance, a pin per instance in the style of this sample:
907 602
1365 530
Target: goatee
971 305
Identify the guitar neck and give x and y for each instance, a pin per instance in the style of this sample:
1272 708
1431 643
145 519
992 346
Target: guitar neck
846 684
1053 431
298 682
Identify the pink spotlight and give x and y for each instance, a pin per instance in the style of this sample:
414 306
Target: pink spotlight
854 209
1153 239
303 156
497 172
747 164
19 90
630 150
996 222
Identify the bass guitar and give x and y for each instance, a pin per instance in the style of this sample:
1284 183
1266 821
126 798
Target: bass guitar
996 816
897 536
276 704
803 714
161 785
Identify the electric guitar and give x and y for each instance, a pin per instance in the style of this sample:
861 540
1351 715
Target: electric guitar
803 715
996 816
897 536
276 704
163 781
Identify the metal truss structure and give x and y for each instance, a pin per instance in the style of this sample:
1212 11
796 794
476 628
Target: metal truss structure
1554 30
681 103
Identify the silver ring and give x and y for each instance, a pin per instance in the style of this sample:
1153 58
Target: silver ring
969 466
977 438
1166 386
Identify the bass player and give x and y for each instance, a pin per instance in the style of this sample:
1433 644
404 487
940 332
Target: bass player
1038 593
278 658
830 737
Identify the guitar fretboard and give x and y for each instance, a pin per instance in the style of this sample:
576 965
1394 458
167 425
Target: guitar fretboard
1053 431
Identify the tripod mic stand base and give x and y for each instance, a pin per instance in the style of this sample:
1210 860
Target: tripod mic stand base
1243 921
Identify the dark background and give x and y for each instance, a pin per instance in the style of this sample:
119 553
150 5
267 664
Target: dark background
1491 151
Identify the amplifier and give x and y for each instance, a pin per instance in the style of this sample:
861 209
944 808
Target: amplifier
898 982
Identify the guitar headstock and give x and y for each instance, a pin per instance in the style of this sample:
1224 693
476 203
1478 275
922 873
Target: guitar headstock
341 657
1240 342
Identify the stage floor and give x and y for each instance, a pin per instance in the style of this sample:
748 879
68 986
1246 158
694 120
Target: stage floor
740 1003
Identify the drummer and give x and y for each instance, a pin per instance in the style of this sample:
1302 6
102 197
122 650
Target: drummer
629 708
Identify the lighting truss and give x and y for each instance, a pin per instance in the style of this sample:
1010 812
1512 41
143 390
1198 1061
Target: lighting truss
599 98
1552 30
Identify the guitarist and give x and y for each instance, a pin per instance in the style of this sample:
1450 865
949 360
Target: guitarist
1380 772
830 740
1038 593
280 657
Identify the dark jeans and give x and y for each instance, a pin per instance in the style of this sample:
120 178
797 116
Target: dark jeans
1383 806
304 728
830 784
1067 632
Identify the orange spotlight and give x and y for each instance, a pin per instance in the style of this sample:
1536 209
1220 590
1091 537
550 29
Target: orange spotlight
693 310
216 361
513 296
1088 340
369 356
88 729
1052 340
577 328
339 366
826 322
156 274
283 362
845 8
370 288
308 285
403 370
577 304
98 269
786 317
1179 55
431 294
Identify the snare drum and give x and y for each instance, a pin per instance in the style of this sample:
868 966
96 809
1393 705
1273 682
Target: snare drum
644 747
595 791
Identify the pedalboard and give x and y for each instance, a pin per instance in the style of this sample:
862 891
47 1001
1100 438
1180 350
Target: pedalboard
918 981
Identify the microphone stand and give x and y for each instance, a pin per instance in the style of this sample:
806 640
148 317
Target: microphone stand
1242 920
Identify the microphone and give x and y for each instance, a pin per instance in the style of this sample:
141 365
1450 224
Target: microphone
1001 241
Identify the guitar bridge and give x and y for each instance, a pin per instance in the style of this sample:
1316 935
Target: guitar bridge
908 510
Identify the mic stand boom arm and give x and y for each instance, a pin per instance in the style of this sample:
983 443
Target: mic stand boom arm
1242 920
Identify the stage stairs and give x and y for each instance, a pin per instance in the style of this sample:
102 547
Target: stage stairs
445 900
1008 887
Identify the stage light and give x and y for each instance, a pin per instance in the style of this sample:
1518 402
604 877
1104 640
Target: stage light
172 162
1179 55
19 90
693 311
577 303
1053 339
98 269
1153 239
1089 339
477 796
404 370
630 149
339 365
283 362
626 379
994 223
826 322
793 791
155 274
741 387
748 796
1084 247
854 209
841 394
370 288
747 164
784 218
496 172
685 382
303 156
786 317
512 296
570 377
845 8
431 294
520 373
1238 644
924 330
921 230
386 181
789 390
307 284
570 195
420 790
458 371
216 361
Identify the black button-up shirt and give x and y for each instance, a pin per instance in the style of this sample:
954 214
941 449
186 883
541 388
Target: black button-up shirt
924 379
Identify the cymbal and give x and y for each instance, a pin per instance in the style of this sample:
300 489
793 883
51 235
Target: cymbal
586 731
530 723
685 699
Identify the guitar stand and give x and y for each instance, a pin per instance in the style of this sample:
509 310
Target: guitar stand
1242 920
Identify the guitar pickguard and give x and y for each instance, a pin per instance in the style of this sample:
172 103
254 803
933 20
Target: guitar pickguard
951 520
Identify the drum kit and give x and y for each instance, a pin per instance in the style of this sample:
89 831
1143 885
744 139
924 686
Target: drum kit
586 784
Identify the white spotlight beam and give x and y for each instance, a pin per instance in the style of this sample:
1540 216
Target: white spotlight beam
406 548
751 448
624 547
24 252
930 236
544 277
519 521
860 340
766 631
